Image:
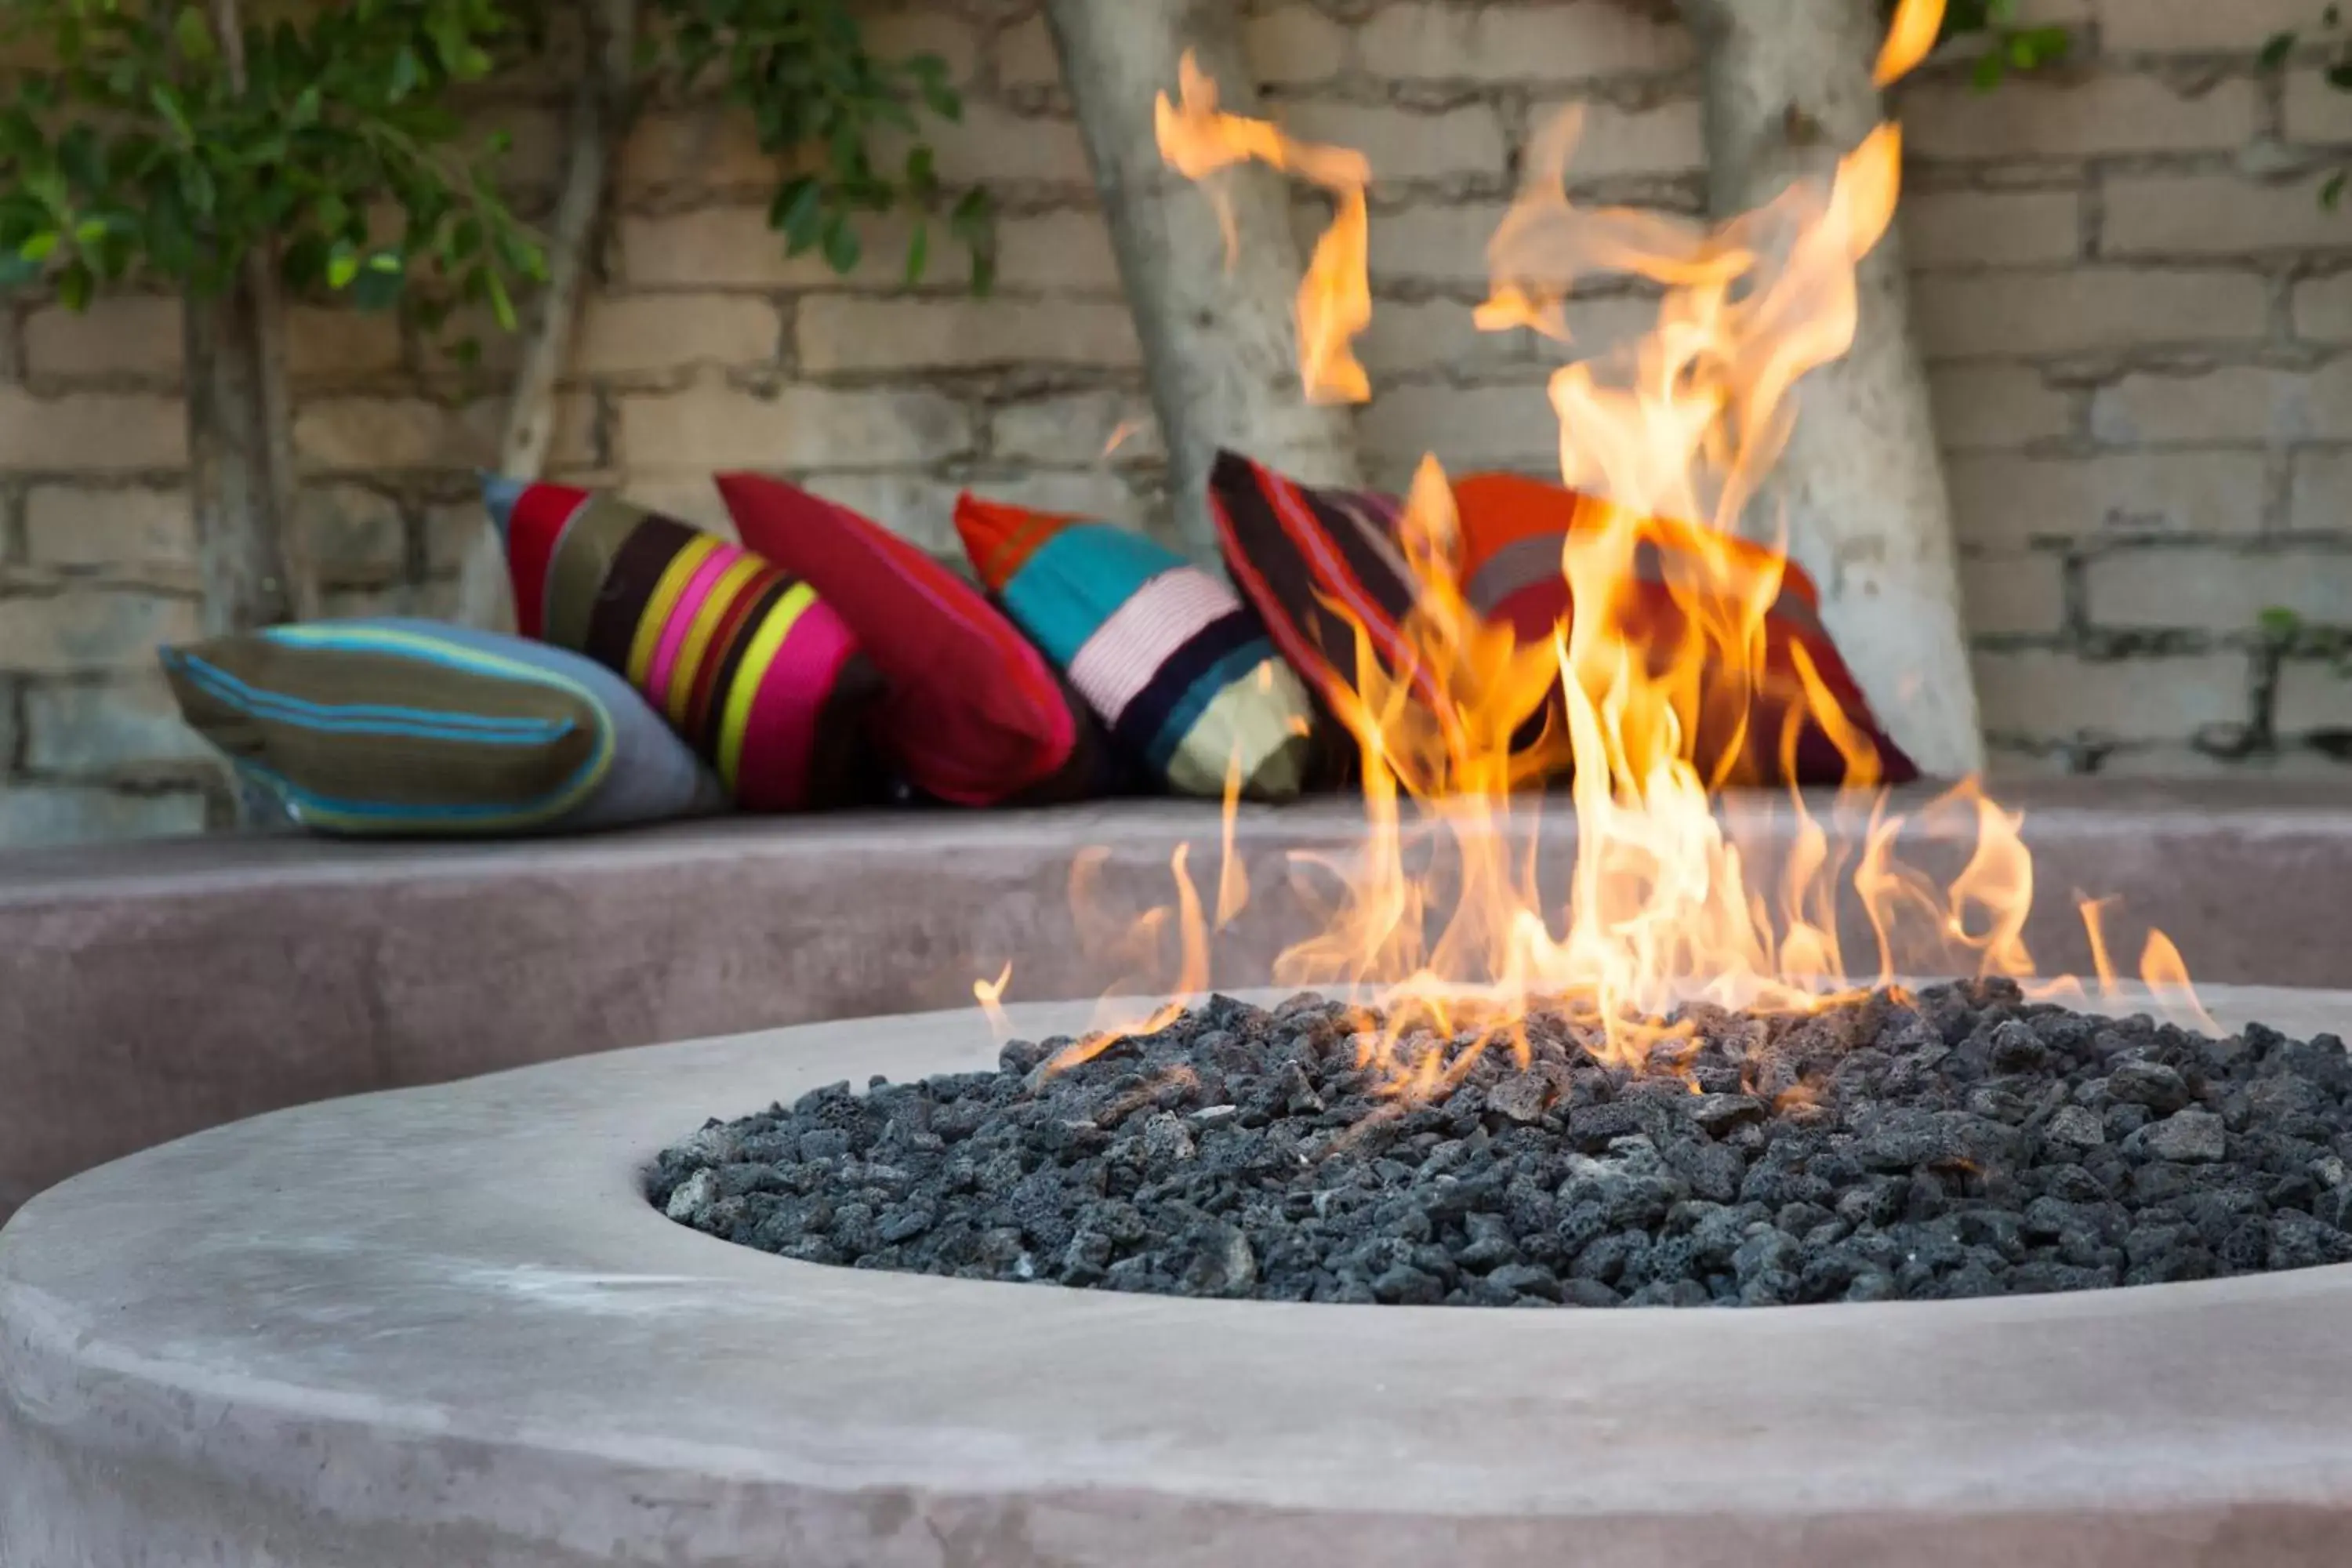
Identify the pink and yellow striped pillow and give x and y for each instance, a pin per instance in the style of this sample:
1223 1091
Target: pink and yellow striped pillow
745 661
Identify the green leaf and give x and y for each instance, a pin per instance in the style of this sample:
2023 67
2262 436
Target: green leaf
342 265
2331 195
194 35
842 247
75 286
2274 53
15 272
2332 16
2339 75
379 287
918 254
1989 70
39 248
502 309
796 213
2280 625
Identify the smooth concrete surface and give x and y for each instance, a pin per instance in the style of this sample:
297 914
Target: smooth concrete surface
149 990
442 1327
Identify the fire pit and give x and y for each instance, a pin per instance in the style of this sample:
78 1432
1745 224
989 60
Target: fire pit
445 1325
1955 1142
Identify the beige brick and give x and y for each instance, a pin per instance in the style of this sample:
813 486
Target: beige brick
838 333
1992 228
732 246
2047 696
1444 40
59 815
667 332
2316 110
433 601
2214 591
127 335
69 526
1982 407
2216 215
1056 251
355 532
993 145
2323 309
1443 245
2014 595
1026 55
125 725
713 426
1402 145
2232 402
898 36
711 145
83 628
364 434
106 432
2073 117
1487 427
2202 26
689 497
2313 694
2085 309
1294 45
322 342
1432 335
2177 761
2323 493
2001 501
1077 429
1665 139
535 153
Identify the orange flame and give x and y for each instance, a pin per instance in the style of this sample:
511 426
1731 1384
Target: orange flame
990 994
1912 38
1646 707
1334 301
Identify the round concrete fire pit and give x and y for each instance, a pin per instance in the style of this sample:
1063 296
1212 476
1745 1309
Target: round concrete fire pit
444 1326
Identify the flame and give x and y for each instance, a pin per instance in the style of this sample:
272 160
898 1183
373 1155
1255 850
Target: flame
1126 430
1335 299
1661 691
1912 38
990 994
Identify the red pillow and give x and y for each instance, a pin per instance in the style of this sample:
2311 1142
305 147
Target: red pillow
974 715
1513 530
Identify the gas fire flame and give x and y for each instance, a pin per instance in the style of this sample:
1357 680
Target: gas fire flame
1670 438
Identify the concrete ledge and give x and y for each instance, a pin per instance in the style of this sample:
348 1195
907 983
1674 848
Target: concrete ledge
149 990
442 1326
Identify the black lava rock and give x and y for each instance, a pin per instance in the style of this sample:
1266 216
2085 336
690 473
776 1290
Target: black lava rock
1958 1143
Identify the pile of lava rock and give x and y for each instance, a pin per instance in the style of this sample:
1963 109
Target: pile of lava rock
1957 1143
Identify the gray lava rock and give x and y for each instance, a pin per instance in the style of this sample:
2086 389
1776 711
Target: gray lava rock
1961 1143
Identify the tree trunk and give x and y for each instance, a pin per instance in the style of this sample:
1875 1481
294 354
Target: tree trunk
1218 345
255 569
240 498
485 593
1788 90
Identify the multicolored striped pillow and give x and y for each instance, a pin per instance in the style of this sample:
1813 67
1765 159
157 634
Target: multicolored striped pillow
1302 556
385 728
1178 670
758 674
1514 530
974 716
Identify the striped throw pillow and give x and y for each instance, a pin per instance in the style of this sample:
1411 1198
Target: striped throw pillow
743 659
1178 670
385 728
974 715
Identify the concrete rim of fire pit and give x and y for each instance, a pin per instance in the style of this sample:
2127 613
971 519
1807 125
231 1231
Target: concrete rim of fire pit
443 1325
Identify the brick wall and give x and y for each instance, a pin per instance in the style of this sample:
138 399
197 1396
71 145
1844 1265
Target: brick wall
2139 322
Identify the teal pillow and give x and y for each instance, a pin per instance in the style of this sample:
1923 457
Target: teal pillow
407 728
